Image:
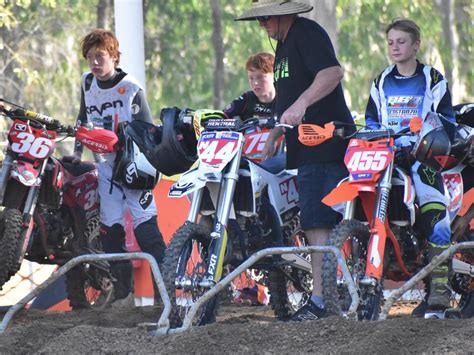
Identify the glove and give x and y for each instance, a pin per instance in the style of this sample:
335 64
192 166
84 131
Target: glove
404 158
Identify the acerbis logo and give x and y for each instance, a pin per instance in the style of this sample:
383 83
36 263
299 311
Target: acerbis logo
94 143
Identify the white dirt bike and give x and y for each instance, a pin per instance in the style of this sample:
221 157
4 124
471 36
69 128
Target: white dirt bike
247 208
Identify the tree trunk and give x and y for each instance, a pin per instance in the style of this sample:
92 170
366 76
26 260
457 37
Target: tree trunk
324 13
451 65
104 14
218 44
463 22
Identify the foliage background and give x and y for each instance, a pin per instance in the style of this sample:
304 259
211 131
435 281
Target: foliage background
40 63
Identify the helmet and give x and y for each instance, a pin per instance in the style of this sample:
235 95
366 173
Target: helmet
133 167
441 145
178 148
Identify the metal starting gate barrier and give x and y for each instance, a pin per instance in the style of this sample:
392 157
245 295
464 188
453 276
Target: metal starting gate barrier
458 265
162 327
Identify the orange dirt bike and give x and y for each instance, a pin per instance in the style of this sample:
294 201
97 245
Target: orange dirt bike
379 236
49 208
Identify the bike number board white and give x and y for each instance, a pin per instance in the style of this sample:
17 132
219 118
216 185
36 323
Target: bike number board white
364 163
216 149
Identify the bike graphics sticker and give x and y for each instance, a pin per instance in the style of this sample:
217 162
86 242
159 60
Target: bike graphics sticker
404 107
216 149
289 190
454 185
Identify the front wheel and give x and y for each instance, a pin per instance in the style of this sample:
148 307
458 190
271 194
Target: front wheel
12 235
352 238
184 266
89 285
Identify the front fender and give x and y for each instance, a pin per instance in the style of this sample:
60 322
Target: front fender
193 180
346 191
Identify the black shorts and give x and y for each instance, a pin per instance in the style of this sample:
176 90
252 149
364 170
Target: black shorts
314 182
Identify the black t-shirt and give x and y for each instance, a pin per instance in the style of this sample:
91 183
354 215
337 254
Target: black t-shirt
306 51
247 106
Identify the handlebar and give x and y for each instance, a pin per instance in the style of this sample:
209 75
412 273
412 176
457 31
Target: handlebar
312 135
24 114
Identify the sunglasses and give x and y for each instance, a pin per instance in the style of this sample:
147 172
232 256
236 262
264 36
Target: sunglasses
263 18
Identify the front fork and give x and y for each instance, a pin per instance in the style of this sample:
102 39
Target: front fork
378 233
219 234
7 166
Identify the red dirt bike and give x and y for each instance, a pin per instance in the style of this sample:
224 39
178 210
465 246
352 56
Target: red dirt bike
378 235
49 209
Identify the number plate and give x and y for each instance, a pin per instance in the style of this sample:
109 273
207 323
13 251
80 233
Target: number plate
454 185
255 141
365 160
30 142
216 149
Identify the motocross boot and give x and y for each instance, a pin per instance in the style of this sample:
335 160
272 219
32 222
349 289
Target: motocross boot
439 297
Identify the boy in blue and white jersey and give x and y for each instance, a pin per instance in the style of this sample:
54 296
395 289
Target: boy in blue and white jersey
402 91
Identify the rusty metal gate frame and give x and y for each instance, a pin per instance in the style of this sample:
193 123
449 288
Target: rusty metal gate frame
421 275
352 312
163 324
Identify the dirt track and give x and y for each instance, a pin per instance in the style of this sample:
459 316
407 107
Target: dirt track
240 329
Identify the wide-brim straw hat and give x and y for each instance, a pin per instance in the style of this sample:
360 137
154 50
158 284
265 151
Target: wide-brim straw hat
273 8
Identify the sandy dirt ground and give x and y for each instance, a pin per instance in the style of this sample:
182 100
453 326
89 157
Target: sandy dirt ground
238 330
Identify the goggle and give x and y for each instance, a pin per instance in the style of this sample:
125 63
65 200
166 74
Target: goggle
263 18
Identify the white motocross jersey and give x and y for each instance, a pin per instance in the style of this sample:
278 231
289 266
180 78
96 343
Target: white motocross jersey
106 108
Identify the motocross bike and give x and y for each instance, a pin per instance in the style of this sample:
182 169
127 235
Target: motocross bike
378 235
250 209
49 209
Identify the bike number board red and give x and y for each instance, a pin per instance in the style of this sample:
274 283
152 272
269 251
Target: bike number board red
29 142
216 149
364 161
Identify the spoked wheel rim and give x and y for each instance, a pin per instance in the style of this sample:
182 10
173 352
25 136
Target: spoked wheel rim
190 270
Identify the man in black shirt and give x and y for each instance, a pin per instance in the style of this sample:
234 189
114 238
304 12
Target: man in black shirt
307 78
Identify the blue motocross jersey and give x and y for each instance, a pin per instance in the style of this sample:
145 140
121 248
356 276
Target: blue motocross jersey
396 99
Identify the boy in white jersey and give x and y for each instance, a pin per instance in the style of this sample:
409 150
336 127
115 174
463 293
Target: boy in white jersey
110 96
